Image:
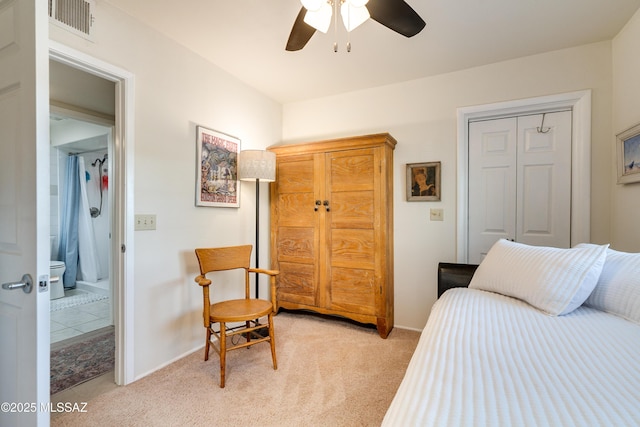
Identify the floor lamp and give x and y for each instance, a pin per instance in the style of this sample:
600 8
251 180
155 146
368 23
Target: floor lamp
257 165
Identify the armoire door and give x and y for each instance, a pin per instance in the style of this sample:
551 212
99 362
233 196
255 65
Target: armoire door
298 229
352 270
520 181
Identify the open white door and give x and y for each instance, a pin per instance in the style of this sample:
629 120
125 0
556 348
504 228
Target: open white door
24 212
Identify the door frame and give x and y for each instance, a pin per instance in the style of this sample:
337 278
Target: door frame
121 271
580 104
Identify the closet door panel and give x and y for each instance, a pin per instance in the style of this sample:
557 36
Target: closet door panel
537 201
492 184
544 180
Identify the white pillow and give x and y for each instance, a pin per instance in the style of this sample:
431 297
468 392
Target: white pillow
618 289
554 280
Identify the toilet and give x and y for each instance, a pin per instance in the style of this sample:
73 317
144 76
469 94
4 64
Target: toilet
56 271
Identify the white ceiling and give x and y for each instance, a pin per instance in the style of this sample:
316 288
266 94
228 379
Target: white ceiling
82 109
247 38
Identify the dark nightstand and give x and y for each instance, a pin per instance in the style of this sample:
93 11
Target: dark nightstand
451 275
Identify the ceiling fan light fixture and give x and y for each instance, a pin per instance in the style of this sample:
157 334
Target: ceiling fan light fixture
396 15
319 19
313 4
353 16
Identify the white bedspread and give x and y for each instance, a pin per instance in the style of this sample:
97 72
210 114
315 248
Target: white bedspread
489 360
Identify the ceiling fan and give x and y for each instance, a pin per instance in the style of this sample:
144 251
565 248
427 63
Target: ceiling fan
314 15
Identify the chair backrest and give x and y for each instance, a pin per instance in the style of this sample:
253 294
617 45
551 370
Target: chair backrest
228 258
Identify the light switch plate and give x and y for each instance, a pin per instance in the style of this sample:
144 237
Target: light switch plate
436 214
145 222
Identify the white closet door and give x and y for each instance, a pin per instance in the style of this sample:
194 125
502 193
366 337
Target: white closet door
544 180
492 184
519 182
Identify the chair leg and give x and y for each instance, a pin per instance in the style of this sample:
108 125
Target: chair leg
207 344
272 341
223 351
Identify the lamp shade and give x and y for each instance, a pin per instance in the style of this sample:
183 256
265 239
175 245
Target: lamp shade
257 164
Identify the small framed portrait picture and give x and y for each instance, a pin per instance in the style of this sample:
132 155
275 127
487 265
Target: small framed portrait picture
217 165
423 182
628 149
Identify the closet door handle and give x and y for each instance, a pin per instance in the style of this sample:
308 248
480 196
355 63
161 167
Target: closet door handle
326 205
318 203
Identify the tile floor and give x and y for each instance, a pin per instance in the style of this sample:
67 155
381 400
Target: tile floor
79 319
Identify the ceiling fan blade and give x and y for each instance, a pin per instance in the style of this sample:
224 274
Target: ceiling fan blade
396 15
300 33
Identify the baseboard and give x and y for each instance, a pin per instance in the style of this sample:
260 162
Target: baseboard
175 359
407 328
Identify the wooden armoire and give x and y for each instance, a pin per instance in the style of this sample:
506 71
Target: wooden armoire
332 228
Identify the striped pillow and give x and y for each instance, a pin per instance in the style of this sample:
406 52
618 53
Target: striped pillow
554 280
618 289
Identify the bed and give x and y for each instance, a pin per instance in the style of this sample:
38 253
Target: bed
541 337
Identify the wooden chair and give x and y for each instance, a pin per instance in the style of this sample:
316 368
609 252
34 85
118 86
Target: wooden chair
244 311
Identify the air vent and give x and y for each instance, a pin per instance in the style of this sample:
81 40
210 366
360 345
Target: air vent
73 15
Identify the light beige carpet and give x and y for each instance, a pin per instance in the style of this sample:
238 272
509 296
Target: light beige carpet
330 373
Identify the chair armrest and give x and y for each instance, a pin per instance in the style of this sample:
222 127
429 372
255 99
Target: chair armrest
272 283
206 312
451 275
262 270
202 280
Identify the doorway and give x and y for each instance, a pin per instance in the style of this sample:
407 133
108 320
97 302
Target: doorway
82 108
120 180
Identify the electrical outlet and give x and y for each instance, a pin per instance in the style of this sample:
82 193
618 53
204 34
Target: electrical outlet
145 222
436 214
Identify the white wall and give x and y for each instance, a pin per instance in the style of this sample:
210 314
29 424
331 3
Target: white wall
421 115
625 206
175 90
